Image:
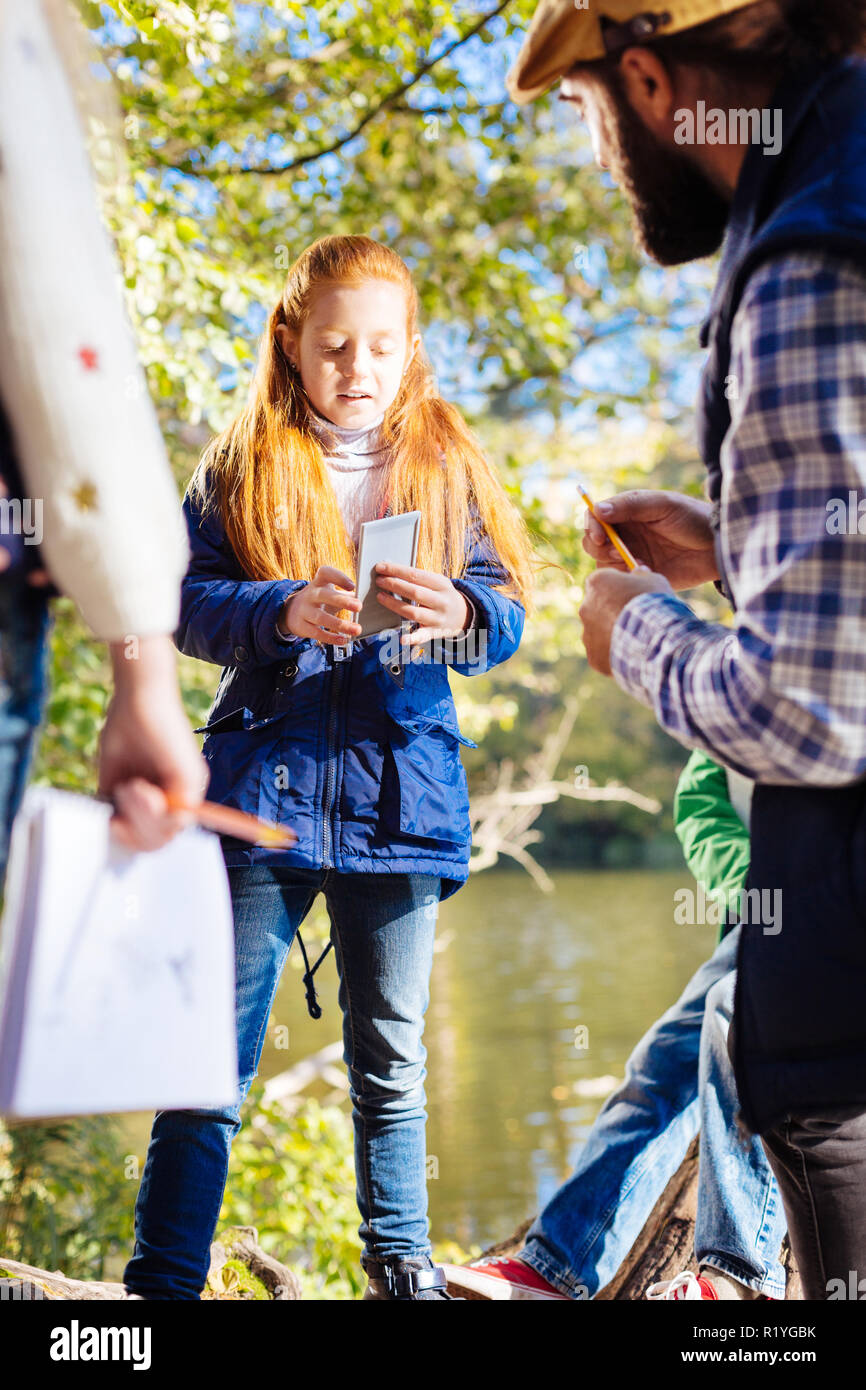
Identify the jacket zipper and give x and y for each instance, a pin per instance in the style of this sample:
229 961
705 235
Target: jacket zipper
338 660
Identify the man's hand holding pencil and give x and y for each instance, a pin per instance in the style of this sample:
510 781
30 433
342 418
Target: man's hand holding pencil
666 532
643 542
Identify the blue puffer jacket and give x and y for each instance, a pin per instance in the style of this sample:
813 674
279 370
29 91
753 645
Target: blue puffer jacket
358 751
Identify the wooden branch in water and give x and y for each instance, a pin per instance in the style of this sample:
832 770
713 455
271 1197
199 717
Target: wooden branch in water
502 818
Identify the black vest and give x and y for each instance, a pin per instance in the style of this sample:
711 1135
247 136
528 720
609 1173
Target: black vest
811 196
799 1034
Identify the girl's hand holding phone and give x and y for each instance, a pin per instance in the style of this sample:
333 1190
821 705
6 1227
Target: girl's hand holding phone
430 600
313 611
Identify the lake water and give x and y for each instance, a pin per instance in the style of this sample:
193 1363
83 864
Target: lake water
511 1096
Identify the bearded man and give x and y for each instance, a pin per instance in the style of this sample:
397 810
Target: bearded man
744 126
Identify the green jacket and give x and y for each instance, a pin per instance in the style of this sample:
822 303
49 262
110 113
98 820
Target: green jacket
713 834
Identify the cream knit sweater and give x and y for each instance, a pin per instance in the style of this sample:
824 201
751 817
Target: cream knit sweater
86 435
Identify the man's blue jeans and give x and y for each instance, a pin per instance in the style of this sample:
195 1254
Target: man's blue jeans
382 926
678 1080
24 624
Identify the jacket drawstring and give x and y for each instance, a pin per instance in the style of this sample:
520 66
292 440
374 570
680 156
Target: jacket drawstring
313 1005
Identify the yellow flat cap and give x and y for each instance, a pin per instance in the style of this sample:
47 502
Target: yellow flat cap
565 32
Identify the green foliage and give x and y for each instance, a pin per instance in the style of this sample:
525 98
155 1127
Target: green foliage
78 697
293 1179
65 1200
252 130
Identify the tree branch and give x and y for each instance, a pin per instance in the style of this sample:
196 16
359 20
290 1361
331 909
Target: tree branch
188 166
502 818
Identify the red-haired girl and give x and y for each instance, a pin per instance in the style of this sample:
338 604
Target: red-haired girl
351 741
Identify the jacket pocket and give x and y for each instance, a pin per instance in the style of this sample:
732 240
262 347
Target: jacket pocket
424 792
236 721
422 724
420 702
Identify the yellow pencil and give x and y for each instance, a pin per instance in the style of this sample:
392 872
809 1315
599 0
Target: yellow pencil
612 536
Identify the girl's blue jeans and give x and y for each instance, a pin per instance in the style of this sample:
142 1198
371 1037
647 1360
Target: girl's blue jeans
382 926
678 1081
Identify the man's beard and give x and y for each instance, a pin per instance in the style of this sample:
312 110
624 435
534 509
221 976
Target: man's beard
678 213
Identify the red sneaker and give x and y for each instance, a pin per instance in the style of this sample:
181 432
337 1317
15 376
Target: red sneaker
499 1277
690 1286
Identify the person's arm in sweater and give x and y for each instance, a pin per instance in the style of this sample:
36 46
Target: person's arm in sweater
85 434
714 839
782 694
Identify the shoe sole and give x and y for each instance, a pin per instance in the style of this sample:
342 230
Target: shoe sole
470 1284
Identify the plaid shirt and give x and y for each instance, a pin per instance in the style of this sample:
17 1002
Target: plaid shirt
781 695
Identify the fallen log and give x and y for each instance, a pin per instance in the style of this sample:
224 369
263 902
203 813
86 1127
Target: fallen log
241 1246
239 1270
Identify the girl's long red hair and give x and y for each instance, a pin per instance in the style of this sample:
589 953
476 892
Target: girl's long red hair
266 475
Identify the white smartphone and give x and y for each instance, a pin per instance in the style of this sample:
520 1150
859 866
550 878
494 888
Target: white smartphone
392 540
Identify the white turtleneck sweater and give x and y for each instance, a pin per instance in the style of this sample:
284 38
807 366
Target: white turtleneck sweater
357 462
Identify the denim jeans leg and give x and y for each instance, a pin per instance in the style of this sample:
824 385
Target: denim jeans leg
383 928
187 1160
635 1146
741 1219
24 624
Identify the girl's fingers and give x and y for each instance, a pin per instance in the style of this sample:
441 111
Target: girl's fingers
324 638
408 573
417 593
328 622
318 621
415 612
335 599
327 574
307 627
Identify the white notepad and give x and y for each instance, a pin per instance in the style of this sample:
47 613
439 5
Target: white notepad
116 969
393 540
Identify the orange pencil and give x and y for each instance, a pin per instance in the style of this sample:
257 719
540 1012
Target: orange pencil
611 534
225 820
